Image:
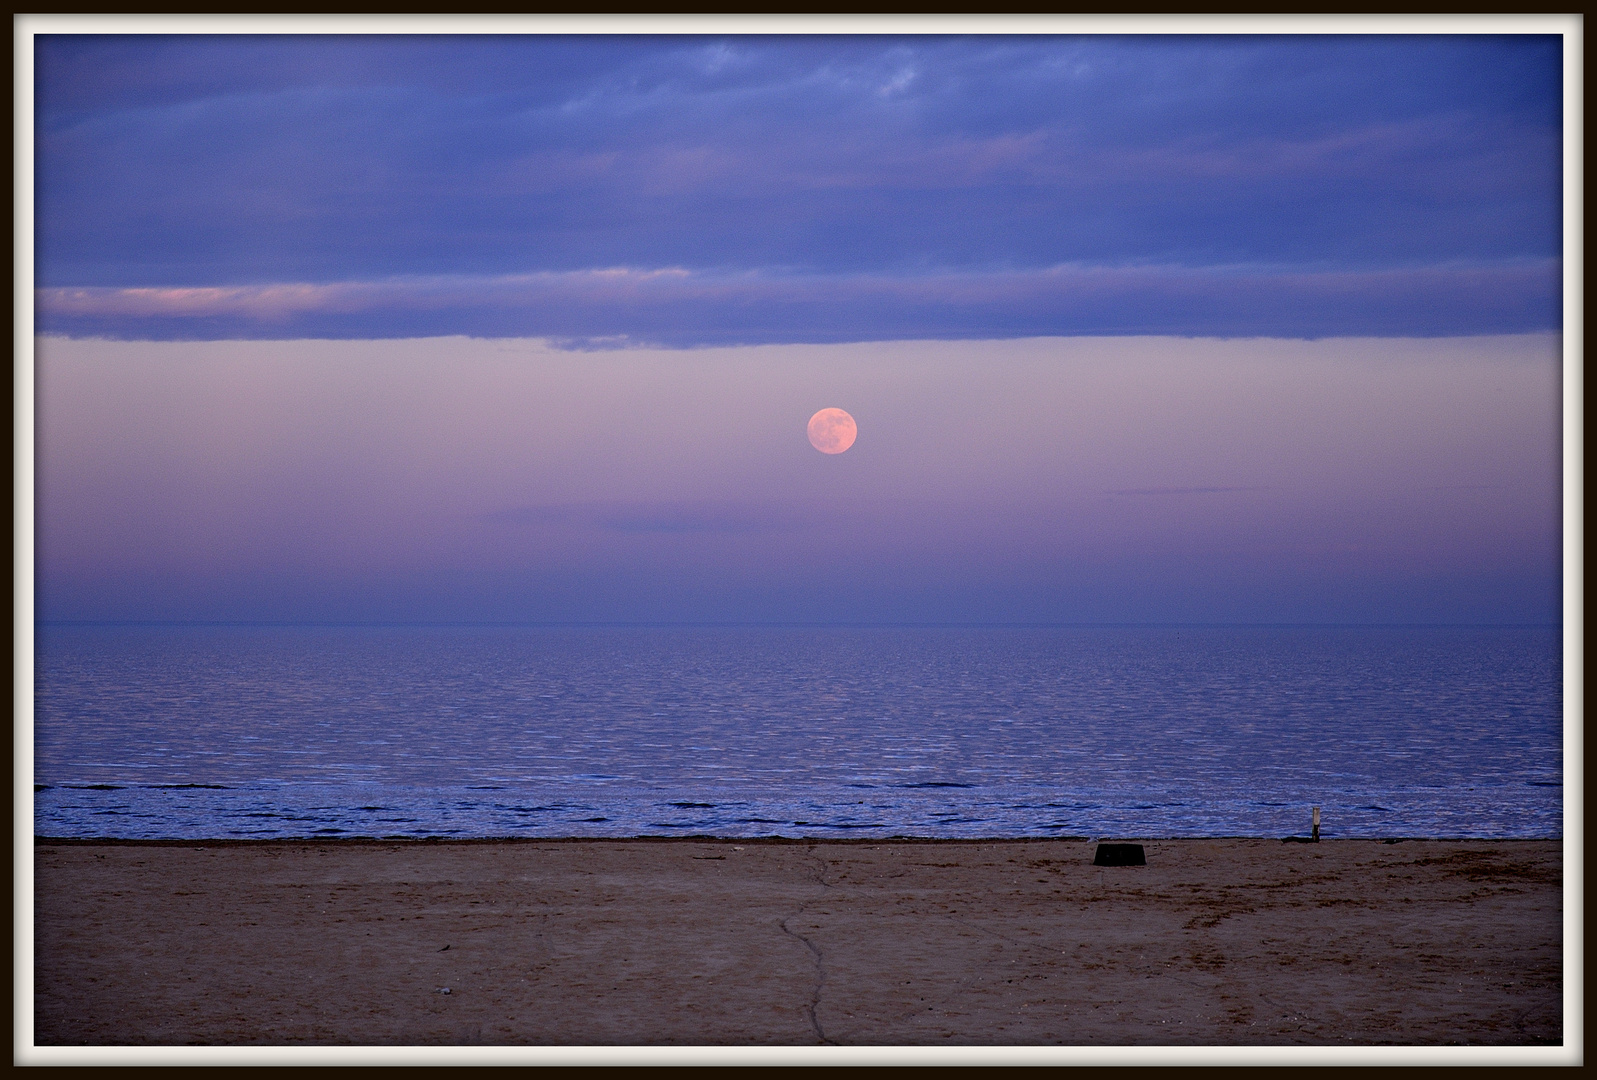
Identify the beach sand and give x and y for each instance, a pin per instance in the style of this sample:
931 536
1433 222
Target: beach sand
641 942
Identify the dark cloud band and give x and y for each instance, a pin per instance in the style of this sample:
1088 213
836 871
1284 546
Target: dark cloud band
678 307
797 189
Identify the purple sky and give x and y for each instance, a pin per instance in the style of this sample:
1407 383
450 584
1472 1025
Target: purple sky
1062 479
528 328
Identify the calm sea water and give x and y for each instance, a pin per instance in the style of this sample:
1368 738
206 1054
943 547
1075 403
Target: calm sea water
607 731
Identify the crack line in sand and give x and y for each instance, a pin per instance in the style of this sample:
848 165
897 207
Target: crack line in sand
1148 972
820 873
820 976
1292 1013
1001 937
815 951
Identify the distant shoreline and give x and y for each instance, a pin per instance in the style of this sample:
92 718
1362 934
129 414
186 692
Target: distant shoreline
251 841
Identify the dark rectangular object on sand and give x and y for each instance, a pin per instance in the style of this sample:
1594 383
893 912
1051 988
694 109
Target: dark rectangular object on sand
1119 855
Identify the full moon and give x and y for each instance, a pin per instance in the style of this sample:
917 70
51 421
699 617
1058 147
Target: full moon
832 431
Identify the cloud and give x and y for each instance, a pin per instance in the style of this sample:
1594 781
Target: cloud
677 306
1181 490
655 517
808 170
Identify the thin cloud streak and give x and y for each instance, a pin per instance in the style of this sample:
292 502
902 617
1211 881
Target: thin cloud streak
655 517
1181 490
677 306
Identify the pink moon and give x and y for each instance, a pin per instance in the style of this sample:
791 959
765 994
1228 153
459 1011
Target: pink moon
832 431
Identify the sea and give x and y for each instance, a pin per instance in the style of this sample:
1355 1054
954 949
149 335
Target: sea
208 732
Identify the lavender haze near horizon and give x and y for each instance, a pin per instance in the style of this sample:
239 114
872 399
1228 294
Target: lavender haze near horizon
1045 480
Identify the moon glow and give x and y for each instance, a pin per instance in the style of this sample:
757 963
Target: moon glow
832 431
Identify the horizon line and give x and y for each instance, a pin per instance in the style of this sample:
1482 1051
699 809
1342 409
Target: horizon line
651 623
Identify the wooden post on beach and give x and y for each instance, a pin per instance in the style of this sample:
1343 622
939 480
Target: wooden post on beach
1315 835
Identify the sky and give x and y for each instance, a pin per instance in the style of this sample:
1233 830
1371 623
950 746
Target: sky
1135 329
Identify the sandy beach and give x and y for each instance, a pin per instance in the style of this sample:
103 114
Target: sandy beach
739 942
